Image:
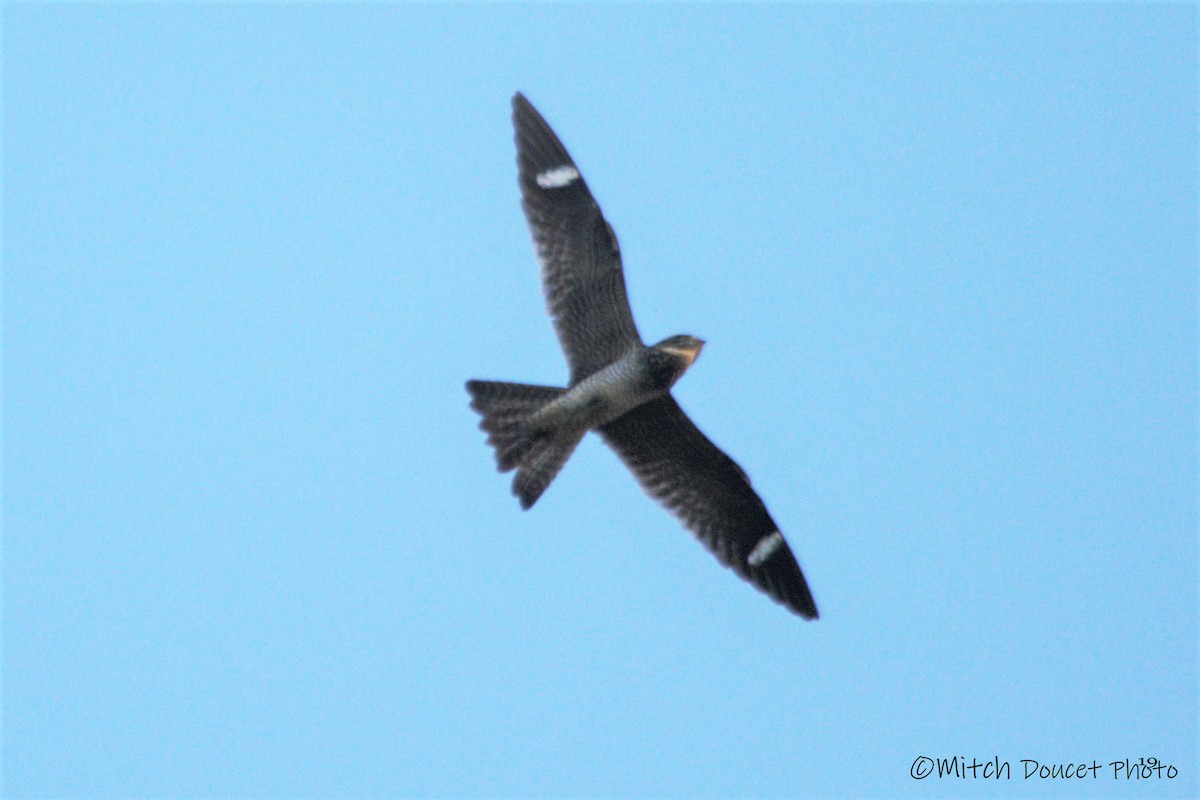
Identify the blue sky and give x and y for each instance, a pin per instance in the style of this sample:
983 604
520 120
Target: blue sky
254 546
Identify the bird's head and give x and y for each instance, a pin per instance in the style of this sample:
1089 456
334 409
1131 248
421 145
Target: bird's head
681 351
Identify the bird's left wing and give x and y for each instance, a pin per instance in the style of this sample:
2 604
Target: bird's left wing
581 262
711 495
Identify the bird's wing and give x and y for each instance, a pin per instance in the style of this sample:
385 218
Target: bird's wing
703 487
581 262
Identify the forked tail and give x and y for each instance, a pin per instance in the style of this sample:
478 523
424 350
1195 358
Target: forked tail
536 455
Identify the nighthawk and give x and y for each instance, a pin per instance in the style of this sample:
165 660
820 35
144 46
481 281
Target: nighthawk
619 387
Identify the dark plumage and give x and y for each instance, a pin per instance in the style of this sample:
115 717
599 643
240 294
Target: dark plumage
619 386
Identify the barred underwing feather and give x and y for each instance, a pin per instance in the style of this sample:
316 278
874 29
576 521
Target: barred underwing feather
582 276
680 467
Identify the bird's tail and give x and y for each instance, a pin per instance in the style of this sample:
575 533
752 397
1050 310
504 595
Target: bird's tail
537 455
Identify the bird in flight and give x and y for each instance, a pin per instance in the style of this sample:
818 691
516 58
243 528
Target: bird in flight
619 387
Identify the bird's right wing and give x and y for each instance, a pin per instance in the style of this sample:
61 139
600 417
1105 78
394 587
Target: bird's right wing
711 495
581 262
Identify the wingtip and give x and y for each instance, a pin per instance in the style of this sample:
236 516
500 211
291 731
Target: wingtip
802 602
805 606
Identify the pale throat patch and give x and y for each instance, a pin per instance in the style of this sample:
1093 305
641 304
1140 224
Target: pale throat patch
689 356
765 548
557 177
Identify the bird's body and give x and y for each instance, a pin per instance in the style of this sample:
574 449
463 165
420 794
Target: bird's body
641 374
619 387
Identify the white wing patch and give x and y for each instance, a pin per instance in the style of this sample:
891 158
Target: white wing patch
557 177
765 548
